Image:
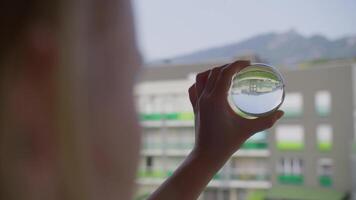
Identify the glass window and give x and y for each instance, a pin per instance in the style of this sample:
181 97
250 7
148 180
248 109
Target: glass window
144 106
290 137
290 171
325 171
293 104
297 165
324 137
323 103
168 103
149 163
249 169
157 102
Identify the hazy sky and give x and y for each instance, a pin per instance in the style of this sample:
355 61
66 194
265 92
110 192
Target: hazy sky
167 28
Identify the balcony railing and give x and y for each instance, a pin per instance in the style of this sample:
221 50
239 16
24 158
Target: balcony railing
180 116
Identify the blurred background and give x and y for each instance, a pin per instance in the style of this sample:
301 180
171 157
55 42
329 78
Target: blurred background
310 153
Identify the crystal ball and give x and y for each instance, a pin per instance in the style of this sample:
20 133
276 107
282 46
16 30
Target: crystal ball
257 90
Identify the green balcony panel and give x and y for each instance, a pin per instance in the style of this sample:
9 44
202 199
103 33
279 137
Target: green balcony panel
171 116
256 195
301 192
141 173
152 174
290 145
291 179
254 145
186 116
151 117
325 181
324 146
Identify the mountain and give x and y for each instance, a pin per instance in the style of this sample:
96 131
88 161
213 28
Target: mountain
277 48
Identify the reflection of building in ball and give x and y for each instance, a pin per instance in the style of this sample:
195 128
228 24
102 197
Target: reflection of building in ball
255 83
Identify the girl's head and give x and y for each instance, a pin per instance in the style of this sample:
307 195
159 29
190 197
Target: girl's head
67 123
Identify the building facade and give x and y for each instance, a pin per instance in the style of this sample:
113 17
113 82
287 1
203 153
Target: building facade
309 147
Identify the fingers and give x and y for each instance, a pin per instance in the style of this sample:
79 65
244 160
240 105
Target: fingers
197 88
216 79
266 122
213 76
225 78
193 96
200 82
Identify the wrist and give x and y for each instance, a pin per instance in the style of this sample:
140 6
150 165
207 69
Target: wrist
208 159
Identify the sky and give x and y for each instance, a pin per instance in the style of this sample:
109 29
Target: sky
168 28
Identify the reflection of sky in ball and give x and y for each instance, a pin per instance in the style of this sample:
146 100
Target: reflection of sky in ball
258 104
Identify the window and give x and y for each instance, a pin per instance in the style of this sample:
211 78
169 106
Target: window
212 194
293 104
149 108
290 137
323 103
290 171
152 140
324 137
173 106
168 105
249 169
325 172
149 163
150 170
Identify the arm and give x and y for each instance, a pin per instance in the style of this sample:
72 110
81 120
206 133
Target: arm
219 133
